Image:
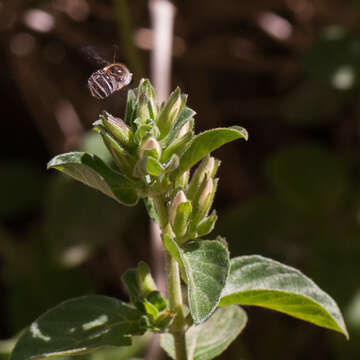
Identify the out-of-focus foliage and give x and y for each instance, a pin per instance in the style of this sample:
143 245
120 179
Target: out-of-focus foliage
288 70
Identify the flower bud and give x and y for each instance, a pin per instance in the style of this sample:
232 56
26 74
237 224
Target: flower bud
182 180
117 128
180 215
150 147
207 196
170 111
122 158
206 225
142 108
206 193
145 280
178 199
202 202
147 108
207 168
130 113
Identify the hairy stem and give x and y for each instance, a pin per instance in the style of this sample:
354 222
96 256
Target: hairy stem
161 210
173 288
176 305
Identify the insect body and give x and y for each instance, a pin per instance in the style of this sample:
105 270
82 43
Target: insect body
111 78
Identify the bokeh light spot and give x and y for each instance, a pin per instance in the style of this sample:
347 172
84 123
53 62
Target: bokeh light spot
343 78
275 25
39 20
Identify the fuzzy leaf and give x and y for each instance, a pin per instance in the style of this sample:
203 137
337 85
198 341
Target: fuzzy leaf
79 326
211 338
206 264
153 166
206 142
92 171
255 280
181 221
174 250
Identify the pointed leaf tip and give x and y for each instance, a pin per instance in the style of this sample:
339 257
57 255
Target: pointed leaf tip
255 280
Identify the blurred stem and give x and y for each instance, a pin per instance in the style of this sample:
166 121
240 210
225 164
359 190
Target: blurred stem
126 32
162 19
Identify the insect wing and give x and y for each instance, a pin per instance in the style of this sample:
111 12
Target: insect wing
94 57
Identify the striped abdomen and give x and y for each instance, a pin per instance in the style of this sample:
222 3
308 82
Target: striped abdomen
100 84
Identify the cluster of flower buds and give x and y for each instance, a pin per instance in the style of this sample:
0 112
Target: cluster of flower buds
154 148
147 145
189 209
145 296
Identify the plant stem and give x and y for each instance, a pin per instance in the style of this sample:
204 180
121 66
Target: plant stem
161 210
176 305
173 288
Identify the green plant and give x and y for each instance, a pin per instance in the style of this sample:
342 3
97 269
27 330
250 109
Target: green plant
154 149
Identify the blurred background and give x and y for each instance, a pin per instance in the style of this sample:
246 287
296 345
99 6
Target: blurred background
287 70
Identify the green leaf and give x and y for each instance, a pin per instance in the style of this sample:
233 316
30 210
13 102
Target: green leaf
206 265
133 352
129 278
206 142
181 221
153 166
177 147
174 250
206 225
130 107
79 326
151 309
170 111
145 279
211 338
255 280
92 171
157 300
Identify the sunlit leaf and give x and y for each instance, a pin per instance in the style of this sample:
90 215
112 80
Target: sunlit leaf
255 280
206 264
92 171
206 142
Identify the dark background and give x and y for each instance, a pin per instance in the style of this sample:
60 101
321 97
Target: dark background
287 70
